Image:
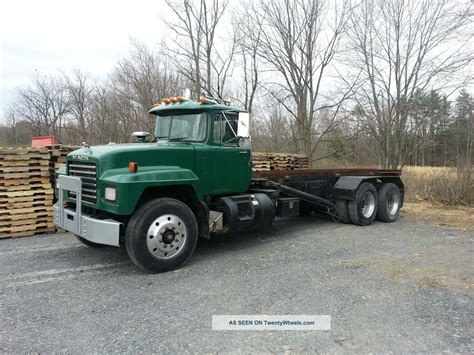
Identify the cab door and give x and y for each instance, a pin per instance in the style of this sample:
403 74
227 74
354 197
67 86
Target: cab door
231 164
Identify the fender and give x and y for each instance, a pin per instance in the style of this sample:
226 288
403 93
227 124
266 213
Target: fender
346 186
130 186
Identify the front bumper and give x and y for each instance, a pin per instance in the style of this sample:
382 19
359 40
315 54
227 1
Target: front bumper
100 231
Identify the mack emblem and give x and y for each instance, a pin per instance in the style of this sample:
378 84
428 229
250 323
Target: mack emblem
80 157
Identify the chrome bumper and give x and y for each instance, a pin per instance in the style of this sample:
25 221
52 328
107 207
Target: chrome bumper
100 231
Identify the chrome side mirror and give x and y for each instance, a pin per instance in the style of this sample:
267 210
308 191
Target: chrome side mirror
142 137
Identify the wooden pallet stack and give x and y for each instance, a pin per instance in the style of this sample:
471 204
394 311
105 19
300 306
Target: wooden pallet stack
26 196
58 154
301 161
279 161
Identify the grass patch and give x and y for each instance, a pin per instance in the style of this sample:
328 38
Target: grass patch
439 185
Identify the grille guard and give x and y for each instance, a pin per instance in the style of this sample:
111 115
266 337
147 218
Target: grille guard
70 184
100 231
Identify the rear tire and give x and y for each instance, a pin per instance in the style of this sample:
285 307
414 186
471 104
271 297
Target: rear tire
389 202
89 243
342 212
363 209
161 235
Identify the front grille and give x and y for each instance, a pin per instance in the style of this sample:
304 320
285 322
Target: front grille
88 175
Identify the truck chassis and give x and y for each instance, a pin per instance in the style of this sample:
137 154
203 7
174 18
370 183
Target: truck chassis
356 196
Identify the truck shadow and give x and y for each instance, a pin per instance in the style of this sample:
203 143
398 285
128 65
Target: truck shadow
282 229
236 243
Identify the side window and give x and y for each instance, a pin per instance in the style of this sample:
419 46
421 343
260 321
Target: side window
218 120
225 128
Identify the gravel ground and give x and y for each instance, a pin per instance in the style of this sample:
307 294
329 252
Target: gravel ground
389 287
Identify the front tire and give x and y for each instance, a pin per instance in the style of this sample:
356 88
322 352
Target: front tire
363 209
161 235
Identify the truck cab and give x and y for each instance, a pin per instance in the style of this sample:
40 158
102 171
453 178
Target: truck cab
196 156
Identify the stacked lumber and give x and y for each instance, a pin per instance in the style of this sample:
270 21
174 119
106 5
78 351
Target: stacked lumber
301 161
278 161
58 154
26 196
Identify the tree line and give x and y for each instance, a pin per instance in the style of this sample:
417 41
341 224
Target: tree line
371 82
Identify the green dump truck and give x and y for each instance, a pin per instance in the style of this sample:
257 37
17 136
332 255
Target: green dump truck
194 178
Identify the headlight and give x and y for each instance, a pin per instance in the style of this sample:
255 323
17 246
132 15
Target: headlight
110 194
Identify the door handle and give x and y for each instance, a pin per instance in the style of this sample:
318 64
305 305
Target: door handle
242 152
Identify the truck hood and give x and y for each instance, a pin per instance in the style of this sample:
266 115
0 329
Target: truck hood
145 154
99 151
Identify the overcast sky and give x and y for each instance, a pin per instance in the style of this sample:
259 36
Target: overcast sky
49 35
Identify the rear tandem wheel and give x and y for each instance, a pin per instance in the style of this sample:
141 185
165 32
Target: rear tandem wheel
389 202
342 212
363 208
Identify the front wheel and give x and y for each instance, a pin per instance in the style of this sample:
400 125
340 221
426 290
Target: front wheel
161 235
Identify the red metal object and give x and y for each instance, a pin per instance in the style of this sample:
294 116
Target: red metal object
42 141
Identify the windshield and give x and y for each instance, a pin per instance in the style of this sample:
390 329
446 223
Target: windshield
191 126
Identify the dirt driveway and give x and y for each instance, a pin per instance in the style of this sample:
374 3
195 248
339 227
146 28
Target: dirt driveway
397 287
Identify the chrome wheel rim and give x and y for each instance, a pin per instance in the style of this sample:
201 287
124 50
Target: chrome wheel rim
166 236
393 201
368 204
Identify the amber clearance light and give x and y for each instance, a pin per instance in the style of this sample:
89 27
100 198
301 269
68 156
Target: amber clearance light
133 167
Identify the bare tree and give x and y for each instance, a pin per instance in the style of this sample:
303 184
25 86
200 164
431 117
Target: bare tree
276 123
10 130
105 121
299 40
400 47
125 118
464 127
248 34
45 104
195 51
80 91
141 81
15 132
